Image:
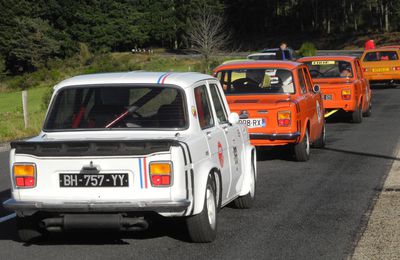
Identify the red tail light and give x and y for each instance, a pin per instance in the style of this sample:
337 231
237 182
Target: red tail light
160 173
346 94
24 175
284 118
365 69
396 68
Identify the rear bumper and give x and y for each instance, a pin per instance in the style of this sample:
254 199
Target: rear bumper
273 137
346 105
155 206
383 76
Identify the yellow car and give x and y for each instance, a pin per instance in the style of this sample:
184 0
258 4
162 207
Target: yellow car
382 66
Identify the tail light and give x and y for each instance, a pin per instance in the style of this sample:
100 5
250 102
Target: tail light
24 175
160 174
396 68
346 94
284 118
364 69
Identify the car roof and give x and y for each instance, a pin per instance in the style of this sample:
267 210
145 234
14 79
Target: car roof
327 57
182 79
258 64
382 49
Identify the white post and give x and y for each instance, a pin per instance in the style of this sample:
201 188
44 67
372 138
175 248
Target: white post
25 107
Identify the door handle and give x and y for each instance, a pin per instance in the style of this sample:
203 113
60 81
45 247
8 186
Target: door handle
225 128
209 134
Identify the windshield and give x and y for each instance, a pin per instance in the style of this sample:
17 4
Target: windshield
330 69
117 107
257 81
381 56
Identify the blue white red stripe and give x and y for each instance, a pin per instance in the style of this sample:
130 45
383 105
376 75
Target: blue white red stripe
162 78
143 173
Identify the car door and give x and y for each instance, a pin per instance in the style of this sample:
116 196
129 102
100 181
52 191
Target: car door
316 107
232 134
364 84
215 136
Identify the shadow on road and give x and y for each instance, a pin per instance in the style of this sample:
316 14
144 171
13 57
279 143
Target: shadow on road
275 153
159 227
362 153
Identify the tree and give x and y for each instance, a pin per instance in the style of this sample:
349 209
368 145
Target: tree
207 34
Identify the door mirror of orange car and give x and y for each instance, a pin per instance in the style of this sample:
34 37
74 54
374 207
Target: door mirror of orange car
316 88
233 118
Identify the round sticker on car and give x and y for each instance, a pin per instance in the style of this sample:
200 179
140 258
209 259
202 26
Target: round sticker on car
220 155
319 112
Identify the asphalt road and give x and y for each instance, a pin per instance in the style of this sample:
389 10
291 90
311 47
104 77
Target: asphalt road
312 210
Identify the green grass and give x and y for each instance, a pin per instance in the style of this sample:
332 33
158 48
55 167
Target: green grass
38 84
12 119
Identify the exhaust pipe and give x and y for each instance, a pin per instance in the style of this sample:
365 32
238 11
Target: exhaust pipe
71 222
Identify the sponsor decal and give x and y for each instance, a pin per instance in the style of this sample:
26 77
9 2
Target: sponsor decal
323 62
220 155
143 173
319 112
194 111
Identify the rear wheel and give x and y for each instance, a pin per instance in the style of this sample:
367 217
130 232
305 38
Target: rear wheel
246 201
302 149
320 142
202 227
28 228
357 115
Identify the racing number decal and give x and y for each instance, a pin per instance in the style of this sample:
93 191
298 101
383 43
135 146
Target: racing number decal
220 155
319 113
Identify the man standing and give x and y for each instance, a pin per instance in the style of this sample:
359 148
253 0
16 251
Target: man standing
284 52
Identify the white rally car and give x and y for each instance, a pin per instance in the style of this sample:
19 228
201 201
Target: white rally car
117 146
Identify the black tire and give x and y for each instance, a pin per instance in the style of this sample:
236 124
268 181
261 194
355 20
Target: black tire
202 228
302 149
356 116
320 142
28 229
246 201
368 113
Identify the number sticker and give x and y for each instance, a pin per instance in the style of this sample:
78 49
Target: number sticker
323 62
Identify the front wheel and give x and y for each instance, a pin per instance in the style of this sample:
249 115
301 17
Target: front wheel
320 142
202 227
246 201
368 113
357 115
302 149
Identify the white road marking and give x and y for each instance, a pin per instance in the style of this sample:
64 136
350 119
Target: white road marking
8 217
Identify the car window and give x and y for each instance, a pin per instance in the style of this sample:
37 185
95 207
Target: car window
308 80
203 107
117 107
301 81
257 81
380 56
329 69
218 104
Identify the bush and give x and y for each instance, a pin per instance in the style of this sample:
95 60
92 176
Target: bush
46 98
307 49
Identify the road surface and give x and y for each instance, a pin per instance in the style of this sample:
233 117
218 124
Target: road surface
312 210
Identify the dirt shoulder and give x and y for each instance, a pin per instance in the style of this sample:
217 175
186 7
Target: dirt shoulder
381 238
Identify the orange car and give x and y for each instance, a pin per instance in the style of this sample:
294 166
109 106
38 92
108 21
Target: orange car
277 101
382 66
342 84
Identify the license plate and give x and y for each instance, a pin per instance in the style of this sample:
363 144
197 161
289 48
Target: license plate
380 69
94 180
253 122
328 97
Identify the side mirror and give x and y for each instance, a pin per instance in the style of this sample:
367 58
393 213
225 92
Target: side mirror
233 118
316 88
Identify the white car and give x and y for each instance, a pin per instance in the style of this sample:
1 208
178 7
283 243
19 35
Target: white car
117 146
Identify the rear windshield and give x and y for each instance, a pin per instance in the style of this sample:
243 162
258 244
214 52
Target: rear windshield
330 69
257 81
381 56
117 107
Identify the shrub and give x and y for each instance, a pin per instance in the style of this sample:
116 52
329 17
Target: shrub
46 98
307 49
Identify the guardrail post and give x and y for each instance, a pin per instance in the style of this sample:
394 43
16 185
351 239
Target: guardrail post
25 107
